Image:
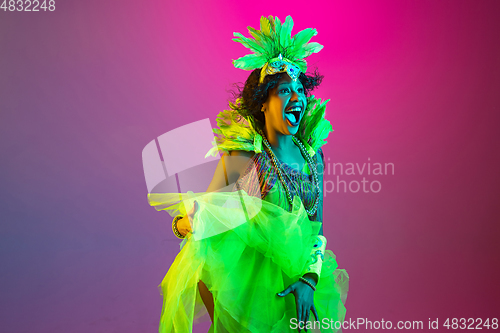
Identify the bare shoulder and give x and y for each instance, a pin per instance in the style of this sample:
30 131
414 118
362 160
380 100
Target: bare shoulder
231 166
235 163
242 153
238 160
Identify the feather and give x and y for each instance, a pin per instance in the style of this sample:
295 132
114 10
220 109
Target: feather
256 34
303 37
277 26
273 39
308 49
302 64
265 26
277 40
248 42
316 129
250 61
313 48
264 41
237 133
286 31
271 23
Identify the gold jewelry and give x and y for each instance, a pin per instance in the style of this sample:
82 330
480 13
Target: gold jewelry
312 168
317 255
307 282
174 227
279 65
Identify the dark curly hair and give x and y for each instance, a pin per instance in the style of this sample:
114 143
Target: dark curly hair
253 95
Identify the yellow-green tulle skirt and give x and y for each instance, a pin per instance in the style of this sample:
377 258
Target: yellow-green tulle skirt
245 250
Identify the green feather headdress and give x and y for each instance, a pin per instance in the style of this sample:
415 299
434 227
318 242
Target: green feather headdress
275 50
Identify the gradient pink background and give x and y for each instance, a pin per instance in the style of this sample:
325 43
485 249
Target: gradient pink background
85 88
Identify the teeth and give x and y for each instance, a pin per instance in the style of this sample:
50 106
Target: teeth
298 108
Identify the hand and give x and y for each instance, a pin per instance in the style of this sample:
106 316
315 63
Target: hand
304 301
183 224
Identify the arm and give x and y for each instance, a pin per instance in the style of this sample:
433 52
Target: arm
304 293
321 170
320 161
227 172
229 169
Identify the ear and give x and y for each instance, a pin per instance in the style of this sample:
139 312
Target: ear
264 107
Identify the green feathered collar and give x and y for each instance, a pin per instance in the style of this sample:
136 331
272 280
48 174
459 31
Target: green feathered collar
235 132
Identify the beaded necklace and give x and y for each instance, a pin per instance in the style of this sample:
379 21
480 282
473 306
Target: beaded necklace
277 165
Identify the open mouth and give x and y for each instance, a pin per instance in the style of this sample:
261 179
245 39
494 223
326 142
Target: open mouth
293 115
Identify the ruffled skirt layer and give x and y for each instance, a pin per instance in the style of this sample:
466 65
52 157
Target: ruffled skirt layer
245 250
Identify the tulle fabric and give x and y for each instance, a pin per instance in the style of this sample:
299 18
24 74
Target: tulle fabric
245 250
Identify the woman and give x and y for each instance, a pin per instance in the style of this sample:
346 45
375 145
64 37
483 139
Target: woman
256 235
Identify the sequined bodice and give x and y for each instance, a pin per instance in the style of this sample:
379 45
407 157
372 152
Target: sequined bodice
261 179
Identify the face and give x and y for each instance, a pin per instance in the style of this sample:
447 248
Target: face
285 106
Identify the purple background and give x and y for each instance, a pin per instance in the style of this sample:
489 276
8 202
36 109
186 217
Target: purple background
84 88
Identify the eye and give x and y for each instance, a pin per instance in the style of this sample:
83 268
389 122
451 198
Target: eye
300 90
284 91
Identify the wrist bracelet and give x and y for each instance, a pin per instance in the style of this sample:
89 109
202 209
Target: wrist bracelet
174 227
307 282
317 256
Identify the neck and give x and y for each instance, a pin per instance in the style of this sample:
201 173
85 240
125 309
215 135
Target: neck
278 141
